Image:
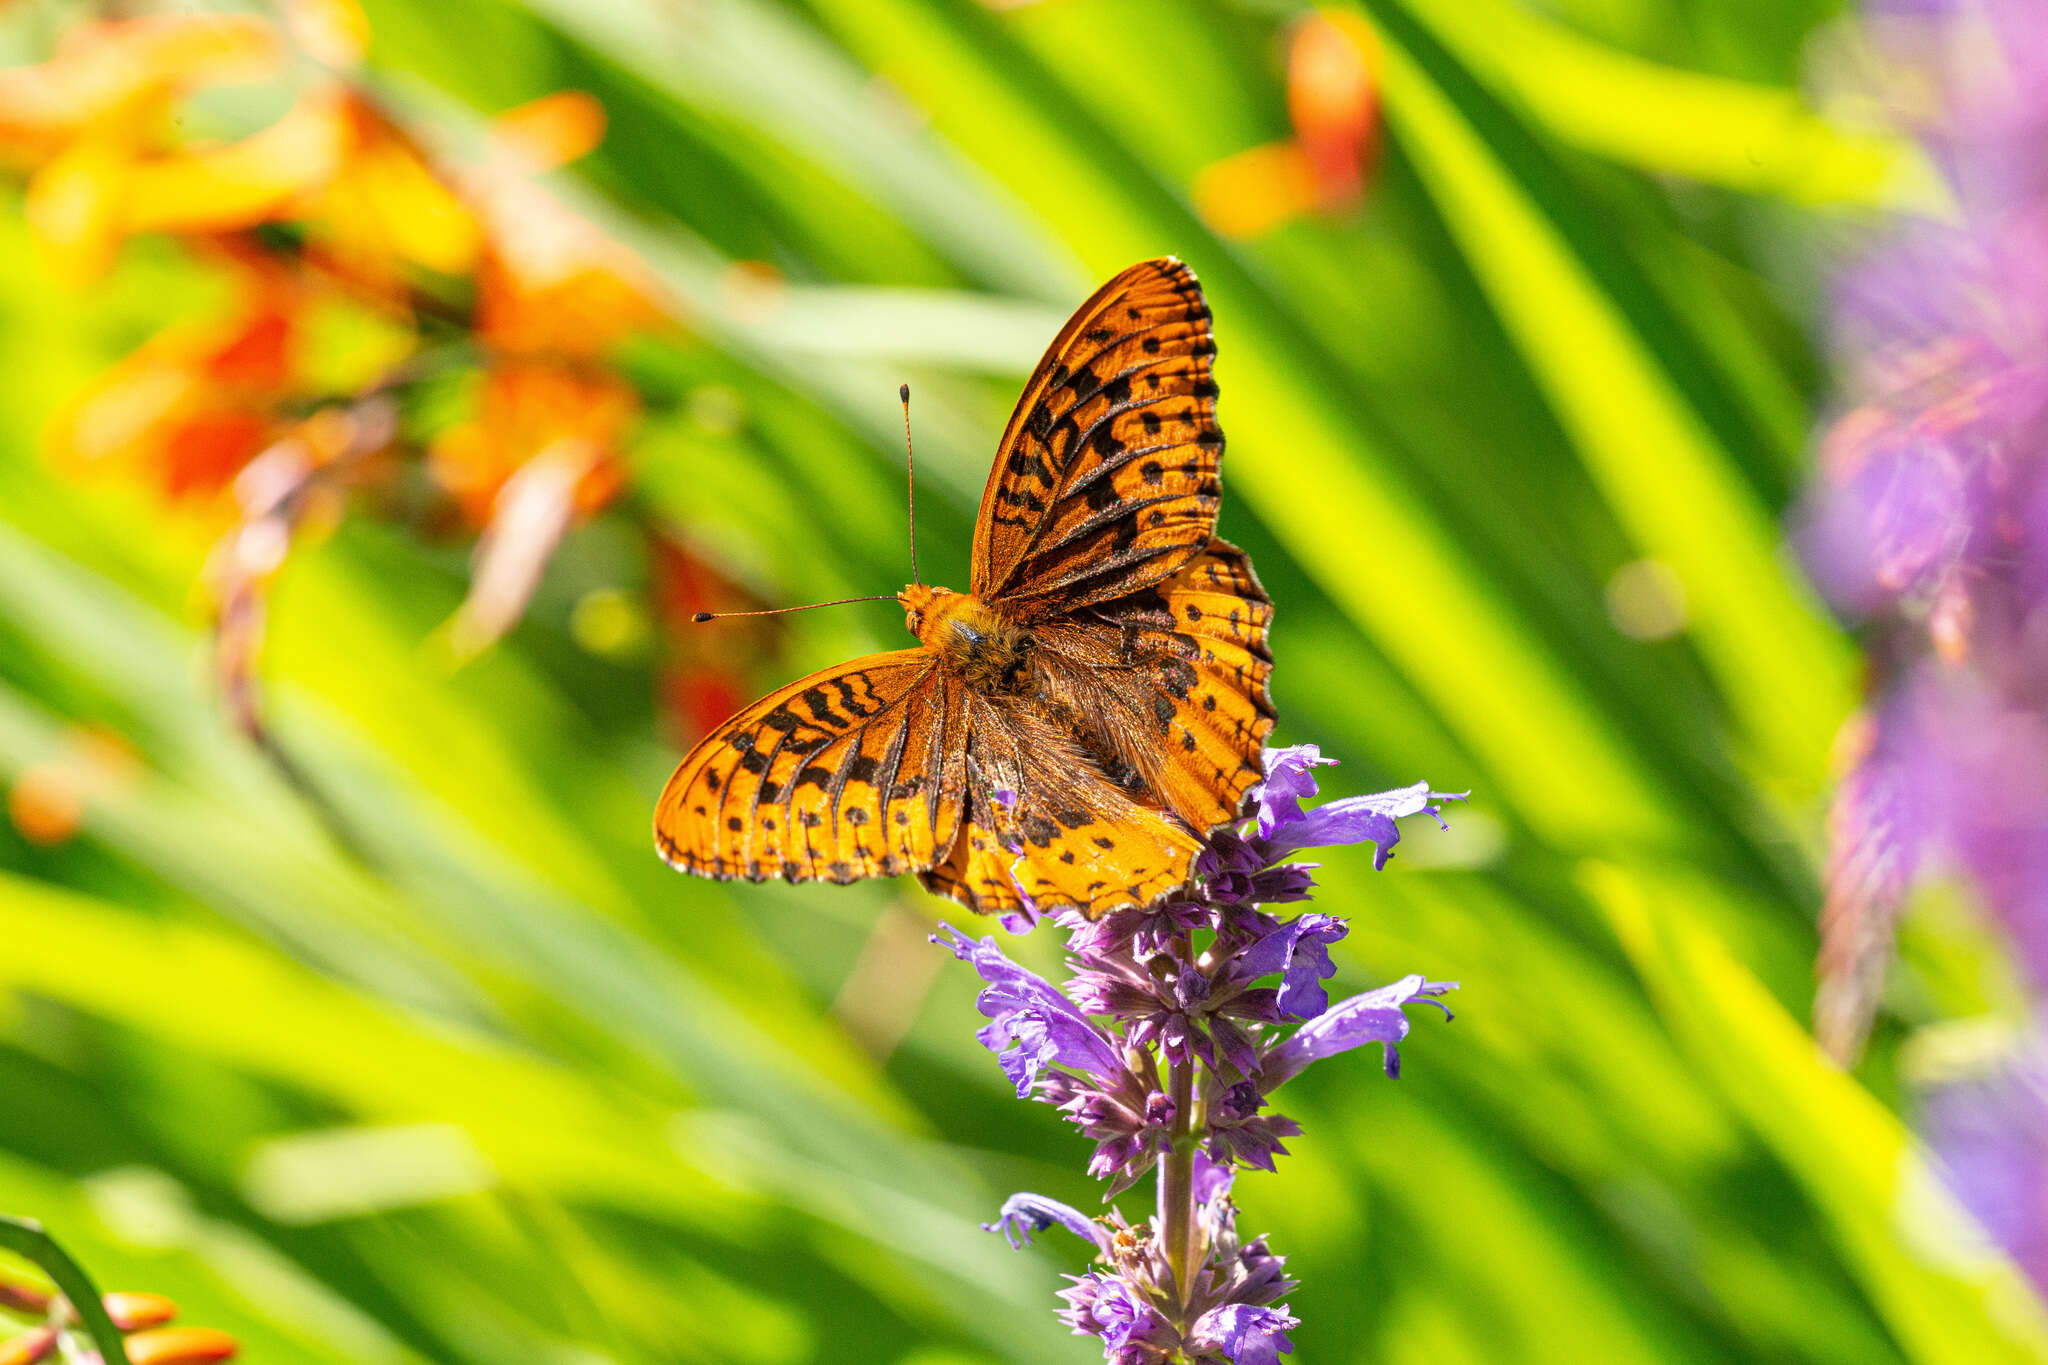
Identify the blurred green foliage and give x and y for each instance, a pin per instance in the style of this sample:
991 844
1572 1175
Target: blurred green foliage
506 1089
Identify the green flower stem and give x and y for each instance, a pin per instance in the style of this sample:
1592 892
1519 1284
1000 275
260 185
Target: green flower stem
1177 1179
26 1238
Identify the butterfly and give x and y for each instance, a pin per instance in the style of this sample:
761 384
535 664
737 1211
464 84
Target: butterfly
1068 729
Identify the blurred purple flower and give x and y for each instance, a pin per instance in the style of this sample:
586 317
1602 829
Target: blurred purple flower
1990 1135
1928 518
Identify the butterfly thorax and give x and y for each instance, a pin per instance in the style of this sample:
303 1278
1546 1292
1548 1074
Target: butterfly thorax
972 639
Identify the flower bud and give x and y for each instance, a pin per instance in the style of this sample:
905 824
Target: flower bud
180 1346
28 1348
134 1312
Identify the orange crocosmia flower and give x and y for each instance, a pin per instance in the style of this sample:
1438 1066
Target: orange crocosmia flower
258 179
541 452
1333 101
1254 191
386 206
47 805
196 402
526 407
551 131
125 71
551 283
84 121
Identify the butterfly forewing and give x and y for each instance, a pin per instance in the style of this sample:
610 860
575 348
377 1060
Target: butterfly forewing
1106 482
854 772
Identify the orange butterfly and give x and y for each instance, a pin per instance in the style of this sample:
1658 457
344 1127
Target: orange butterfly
1066 729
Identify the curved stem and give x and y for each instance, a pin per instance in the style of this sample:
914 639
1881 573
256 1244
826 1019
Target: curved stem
27 1238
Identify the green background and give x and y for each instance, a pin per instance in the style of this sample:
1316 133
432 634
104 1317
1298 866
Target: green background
510 1090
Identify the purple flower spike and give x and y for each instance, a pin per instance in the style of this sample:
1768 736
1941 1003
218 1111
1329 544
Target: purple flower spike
1162 1049
1374 1017
1025 1214
1927 514
1244 1334
1025 1008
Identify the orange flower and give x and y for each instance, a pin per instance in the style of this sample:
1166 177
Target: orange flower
385 207
122 76
259 179
133 1312
93 122
551 283
540 452
525 407
1333 103
196 402
1333 100
47 805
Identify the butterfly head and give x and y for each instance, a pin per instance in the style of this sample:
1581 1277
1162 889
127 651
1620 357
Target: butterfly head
919 606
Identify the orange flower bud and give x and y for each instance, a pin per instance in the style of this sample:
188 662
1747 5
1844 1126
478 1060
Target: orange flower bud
1249 193
133 1312
28 1348
550 131
18 1296
45 805
181 1346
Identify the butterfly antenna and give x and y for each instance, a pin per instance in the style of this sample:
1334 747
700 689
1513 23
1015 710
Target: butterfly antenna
701 617
910 460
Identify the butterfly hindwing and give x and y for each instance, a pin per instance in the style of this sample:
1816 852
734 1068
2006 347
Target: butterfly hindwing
1041 822
1144 727
1106 480
1175 680
857 771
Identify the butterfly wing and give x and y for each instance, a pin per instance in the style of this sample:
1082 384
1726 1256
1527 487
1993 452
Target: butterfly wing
857 771
1042 826
1106 479
1173 680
